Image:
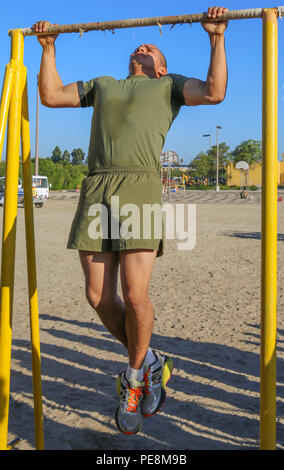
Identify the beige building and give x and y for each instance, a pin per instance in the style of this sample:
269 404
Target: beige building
252 177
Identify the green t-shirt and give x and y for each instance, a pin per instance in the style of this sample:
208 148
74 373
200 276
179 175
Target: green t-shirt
131 118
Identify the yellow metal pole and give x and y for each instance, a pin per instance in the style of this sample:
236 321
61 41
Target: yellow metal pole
5 101
31 263
269 232
9 236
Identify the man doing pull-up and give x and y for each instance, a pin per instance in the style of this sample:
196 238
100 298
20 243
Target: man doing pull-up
130 121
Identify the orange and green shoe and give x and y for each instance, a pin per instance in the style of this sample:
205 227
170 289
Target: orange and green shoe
128 416
156 377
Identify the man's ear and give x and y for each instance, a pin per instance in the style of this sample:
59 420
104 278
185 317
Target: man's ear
162 71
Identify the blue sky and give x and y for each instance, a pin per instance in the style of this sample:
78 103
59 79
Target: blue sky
186 48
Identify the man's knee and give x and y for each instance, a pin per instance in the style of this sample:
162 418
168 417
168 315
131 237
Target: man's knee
136 301
98 300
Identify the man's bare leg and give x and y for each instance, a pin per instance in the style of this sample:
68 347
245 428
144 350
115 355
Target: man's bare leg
101 273
130 322
142 385
136 268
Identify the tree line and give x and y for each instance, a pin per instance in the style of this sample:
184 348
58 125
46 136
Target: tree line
66 170
204 164
76 157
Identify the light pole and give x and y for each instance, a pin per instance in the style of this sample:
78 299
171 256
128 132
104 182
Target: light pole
210 145
36 143
217 159
210 139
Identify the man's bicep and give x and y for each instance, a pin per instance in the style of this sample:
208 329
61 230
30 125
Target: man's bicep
62 97
70 96
195 92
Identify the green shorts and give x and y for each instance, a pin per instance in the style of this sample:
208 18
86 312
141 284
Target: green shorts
119 209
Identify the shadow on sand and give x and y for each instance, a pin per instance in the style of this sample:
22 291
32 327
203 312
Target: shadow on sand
249 235
79 394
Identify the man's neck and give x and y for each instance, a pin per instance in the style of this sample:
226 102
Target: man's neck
138 70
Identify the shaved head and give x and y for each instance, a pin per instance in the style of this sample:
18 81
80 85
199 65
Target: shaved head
149 59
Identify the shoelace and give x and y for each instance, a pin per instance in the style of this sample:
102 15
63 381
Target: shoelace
133 399
147 382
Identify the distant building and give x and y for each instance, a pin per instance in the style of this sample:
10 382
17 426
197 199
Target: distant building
176 166
254 176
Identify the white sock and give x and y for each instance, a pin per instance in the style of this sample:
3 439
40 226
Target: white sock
134 374
149 359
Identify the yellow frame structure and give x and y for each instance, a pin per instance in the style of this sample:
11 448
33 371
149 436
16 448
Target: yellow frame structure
14 106
15 101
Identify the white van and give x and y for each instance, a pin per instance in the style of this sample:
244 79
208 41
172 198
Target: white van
41 185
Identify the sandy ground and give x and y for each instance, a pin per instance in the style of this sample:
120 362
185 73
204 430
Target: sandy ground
207 317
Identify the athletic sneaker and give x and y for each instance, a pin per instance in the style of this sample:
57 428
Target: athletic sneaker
156 378
128 416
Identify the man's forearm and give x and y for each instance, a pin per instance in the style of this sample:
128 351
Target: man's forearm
218 73
49 79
